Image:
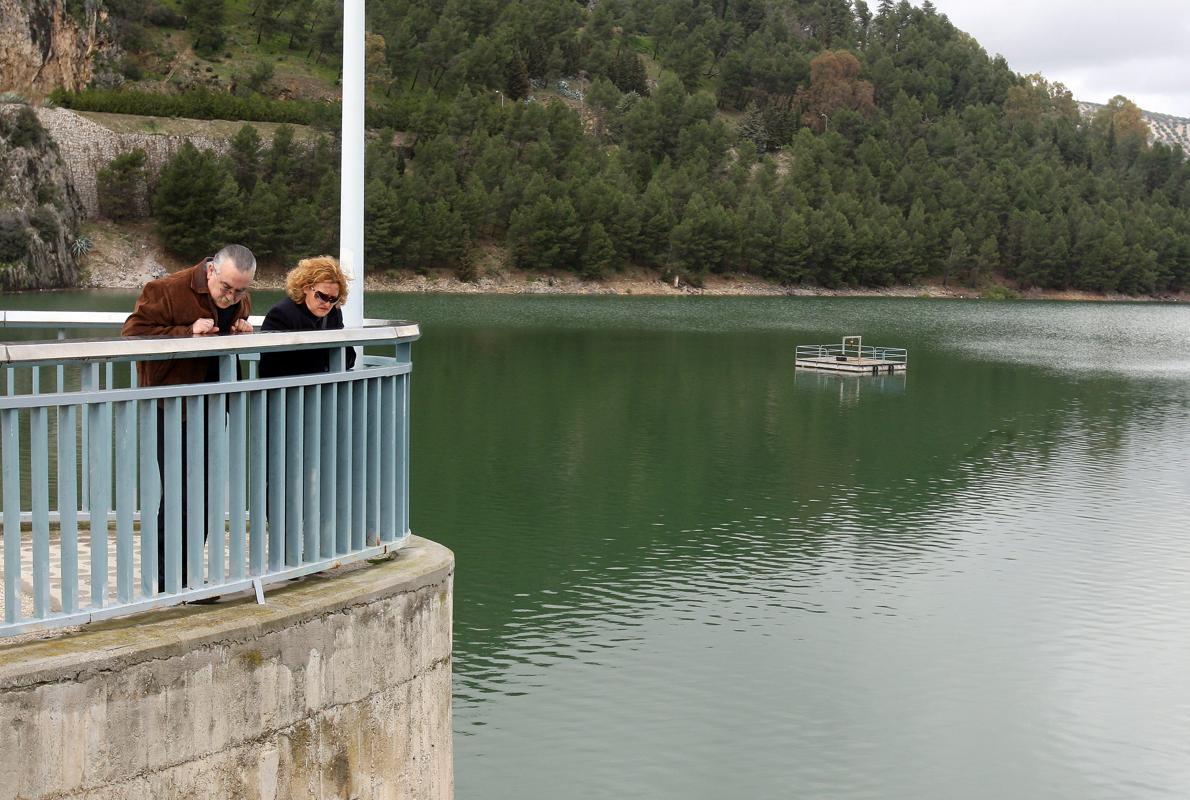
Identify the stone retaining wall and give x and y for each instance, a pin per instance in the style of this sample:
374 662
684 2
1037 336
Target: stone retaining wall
338 687
88 147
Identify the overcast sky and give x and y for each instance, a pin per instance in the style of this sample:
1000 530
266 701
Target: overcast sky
1098 48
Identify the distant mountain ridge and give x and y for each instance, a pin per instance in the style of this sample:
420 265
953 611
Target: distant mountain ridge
1166 128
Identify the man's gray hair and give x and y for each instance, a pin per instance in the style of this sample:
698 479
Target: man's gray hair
238 256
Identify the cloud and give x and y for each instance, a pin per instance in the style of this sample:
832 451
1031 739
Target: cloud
1098 50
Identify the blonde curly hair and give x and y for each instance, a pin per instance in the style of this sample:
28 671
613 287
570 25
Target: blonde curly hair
309 271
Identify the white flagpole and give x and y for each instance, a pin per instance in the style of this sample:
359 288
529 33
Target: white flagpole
351 203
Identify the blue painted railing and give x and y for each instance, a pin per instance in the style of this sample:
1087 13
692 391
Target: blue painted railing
284 476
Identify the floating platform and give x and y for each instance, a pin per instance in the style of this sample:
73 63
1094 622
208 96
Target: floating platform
851 356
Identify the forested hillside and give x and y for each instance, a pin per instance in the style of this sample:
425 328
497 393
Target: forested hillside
815 141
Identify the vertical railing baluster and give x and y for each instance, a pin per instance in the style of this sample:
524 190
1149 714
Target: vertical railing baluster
388 455
170 440
125 498
136 411
9 434
359 462
68 515
293 476
66 495
217 464
39 491
373 446
276 491
61 368
257 476
99 483
328 487
150 496
343 467
84 445
404 356
236 473
312 473
195 491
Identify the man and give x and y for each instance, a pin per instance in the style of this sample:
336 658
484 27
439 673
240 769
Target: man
210 298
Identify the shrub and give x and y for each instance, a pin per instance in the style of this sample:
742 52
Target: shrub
131 69
261 74
48 195
998 292
45 222
14 240
200 104
165 17
23 129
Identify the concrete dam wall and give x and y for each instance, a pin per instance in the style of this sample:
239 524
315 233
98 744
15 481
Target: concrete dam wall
338 687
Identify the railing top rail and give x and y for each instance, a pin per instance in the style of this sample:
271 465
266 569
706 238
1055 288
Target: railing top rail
877 352
159 347
62 319
106 319
839 347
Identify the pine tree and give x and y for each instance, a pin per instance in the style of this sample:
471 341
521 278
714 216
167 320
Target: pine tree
442 233
195 202
205 20
754 129
986 262
958 258
121 186
245 157
792 249
383 241
516 81
599 256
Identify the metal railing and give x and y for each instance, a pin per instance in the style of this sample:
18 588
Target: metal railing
257 480
895 355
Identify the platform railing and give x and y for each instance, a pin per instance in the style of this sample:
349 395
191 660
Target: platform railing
282 476
895 355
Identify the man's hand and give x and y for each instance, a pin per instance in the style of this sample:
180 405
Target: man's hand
203 325
241 326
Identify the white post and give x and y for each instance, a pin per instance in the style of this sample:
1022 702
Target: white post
351 202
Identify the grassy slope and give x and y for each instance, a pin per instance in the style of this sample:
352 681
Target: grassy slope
170 60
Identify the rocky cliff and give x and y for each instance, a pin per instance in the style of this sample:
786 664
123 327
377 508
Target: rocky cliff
39 208
46 44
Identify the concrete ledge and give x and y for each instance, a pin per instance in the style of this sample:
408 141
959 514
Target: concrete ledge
339 686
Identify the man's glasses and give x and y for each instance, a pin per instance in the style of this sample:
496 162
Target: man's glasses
228 289
232 291
326 298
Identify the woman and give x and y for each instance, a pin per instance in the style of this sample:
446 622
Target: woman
317 288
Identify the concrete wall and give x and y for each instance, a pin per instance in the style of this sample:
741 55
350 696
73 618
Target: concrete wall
337 687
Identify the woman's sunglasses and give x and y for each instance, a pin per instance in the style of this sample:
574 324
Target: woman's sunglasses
326 298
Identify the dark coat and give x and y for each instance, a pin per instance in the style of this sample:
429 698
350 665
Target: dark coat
290 316
168 307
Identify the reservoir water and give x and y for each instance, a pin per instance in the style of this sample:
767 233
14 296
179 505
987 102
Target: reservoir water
686 571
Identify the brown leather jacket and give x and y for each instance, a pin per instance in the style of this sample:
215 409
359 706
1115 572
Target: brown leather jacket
168 307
